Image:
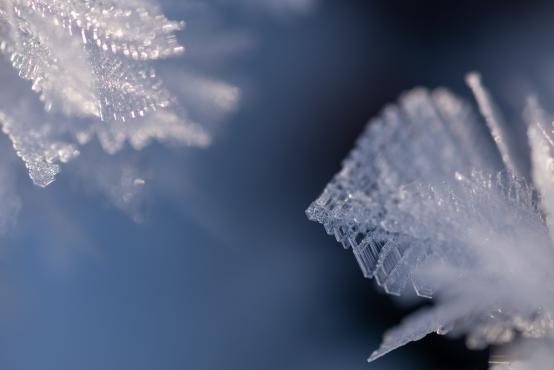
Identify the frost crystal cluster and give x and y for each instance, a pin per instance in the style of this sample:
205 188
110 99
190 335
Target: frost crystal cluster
458 206
89 64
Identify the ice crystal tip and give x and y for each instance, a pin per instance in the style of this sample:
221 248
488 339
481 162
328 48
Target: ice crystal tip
473 78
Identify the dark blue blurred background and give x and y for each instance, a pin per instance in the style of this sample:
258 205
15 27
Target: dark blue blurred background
227 273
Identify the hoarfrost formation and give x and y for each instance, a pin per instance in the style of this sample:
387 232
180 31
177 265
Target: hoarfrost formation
455 206
89 65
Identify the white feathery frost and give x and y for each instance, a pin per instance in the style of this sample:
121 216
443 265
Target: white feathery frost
458 207
89 60
90 71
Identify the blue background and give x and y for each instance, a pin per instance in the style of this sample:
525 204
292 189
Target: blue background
227 273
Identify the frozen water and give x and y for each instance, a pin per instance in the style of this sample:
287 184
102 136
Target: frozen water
89 63
431 200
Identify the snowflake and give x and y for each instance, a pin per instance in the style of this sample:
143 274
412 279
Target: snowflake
457 207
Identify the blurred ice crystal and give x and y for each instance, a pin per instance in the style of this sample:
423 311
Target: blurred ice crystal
87 57
456 207
90 65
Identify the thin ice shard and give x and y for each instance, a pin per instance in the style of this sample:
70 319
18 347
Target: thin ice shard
40 152
542 156
505 136
412 329
164 126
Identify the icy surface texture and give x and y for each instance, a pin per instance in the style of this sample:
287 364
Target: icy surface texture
90 64
456 207
421 138
38 149
85 57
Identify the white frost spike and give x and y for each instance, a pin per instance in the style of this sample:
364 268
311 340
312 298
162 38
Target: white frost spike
542 155
163 126
505 136
427 199
418 326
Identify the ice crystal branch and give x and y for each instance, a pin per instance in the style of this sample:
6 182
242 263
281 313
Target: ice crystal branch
83 57
89 63
431 200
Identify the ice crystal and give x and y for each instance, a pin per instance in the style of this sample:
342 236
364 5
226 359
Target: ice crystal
429 200
86 57
90 64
